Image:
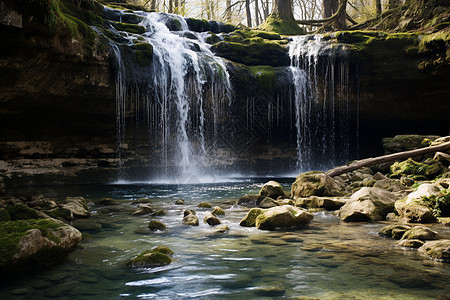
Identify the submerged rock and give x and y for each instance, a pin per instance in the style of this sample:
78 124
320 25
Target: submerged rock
180 202
222 228
156 225
250 200
439 249
368 204
272 189
282 217
420 233
396 231
157 257
190 218
315 183
204 205
143 209
28 244
411 243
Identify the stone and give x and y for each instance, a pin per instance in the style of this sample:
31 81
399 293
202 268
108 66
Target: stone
211 219
35 243
43 204
285 216
411 243
267 202
204 205
284 201
412 207
395 231
156 257
272 289
317 184
86 225
368 204
378 176
156 225
218 211
390 185
405 142
250 219
420 233
60 213
158 213
4 215
78 206
142 201
143 209
108 202
439 249
411 167
21 211
180 202
222 228
190 218
326 203
249 200
271 189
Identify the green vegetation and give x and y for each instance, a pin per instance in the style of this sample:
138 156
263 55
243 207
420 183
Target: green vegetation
22 212
131 28
285 27
157 257
439 204
156 225
143 53
266 76
430 169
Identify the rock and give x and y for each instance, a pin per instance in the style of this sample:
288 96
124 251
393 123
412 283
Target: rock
204 205
4 215
21 211
222 228
86 225
156 225
43 204
211 219
250 219
35 243
420 233
157 257
190 218
378 176
78 206
271 189
396 231
108 202
326 203
284 201
273 289
368 204
390 185
218 211
282 217
158 213
406 142
412 207
249 200
315 183
143 209
439 249
440 140
60 213
411 243
411 167
180 202
142 201
267 202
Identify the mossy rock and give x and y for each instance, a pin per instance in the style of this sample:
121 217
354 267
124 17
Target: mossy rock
22 212
108 202
315 183
420 233
157 257
439 249
411 167
204 205
131 28
250 219
156 225
158 213
406 142
4 215
218 211
395 231
213 38
198 25
282 26
163 249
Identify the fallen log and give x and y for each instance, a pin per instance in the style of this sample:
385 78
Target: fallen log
387 158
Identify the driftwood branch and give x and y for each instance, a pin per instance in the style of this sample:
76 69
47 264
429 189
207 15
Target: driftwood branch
387 158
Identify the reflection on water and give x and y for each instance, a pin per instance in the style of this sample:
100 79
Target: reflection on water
326 260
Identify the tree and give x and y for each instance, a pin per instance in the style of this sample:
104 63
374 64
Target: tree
378 7
281 20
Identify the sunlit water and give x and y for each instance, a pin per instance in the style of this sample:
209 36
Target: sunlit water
326 260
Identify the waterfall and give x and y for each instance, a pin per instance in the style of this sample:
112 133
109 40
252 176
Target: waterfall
176 96
324 114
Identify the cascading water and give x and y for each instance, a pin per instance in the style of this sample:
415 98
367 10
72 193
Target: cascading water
177 95
325 121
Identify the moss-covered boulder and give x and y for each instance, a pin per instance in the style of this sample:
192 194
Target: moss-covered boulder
157 257
439 249
78 206
143 209
218 211
158 213
156 225
131 28
411 243
368 204
285 216
250 219
406 142
190 218
420 233
108 202
20 211
4 215
430 169
317 184
272 189
204 205
395 231
26 244
249 200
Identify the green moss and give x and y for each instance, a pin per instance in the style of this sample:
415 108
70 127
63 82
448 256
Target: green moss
285 27
131 28
266 76
143 53
156 225
163 249
411 167
4 215
22 212
157 257
198 25
439 204
213 38
204 205
12 231
250 218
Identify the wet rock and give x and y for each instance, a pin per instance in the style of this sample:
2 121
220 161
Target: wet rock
158 213
326 203
35 243
411 243
190 218
396 231
142 201
412 207
411 167
378 176
156 225
317 184
43 204
250 219
218 211
282 217
211 219
143 209
86 225
267 202
180 202
284 201
204 205
368 204
272 189
439 249
406 142
78 206
420 233
21 211
249 200
156 257
108 202
222 228
60 213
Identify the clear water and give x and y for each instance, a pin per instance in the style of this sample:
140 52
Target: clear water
326 260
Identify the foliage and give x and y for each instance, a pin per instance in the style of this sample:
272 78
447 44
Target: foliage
439 204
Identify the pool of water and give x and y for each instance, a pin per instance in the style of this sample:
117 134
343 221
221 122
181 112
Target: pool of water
326 260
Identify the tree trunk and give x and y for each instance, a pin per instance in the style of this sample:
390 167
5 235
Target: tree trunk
378 7
228 14
329 7
387 158
341 20
170 6
256 13
394 3
153 5
248 13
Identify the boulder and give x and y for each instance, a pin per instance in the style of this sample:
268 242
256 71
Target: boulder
142 201
411 167
267 202
158 213
28 244
108 202
218 211
317 184
284 201
285 216
21 211
86 225
60 213
396 231
391 185
204 205
406 142
250 219
413 208
439 249
271 189
179 202
190 218
368 204
4 215
43 204
211 219
78 206
156 257
143 209
411 243
222 228
326 203
249 200
420 233
156 225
